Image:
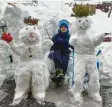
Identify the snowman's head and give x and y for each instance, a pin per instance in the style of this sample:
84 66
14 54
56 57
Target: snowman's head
83 23
30 35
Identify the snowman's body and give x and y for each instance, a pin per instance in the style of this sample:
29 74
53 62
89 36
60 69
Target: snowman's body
32 73
84 44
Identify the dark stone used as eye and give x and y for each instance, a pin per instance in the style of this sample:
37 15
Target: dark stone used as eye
30 56
26 28
79 20
86 20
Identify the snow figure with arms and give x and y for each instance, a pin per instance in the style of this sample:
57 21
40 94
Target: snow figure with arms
85 60
32 73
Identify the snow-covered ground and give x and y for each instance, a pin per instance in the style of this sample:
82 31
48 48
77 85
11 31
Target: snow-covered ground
49 14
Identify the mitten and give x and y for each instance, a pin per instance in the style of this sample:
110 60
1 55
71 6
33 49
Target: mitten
7 37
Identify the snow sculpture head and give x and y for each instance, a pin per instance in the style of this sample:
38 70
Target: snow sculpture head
81 12
83 23
30 34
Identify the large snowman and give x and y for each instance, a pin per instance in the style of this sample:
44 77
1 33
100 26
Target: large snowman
32 73
84 43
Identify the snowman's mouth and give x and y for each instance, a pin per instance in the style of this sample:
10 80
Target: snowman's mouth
83 28
32 41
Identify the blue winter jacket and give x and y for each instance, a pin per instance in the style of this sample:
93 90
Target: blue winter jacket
61 42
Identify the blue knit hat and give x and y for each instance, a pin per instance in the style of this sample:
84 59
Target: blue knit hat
64 23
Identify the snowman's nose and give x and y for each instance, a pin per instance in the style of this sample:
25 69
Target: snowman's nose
31 35
84 23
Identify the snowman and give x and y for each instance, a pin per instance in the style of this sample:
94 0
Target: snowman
32 73
84 43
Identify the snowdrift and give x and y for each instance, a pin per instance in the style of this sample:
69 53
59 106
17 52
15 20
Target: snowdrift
49 15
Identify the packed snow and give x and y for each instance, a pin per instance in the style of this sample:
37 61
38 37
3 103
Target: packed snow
49 15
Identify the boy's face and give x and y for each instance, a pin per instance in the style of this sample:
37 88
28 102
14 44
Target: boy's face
63 29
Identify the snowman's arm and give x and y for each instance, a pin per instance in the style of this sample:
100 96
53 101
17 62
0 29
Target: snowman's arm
98 39
46 45
16 48
72 40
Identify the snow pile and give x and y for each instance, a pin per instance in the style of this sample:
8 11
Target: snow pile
49 14
6 67
106 58
101 22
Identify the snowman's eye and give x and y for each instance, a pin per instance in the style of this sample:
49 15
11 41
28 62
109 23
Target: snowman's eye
79 20
86 20
34 28
26 28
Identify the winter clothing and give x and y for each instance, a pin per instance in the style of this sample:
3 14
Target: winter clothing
60 49
64 23
7 37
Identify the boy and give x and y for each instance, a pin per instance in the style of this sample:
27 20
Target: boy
60 50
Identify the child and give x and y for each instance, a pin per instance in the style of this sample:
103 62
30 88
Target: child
60 50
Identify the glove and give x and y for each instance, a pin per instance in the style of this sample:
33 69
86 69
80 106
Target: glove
52 51
7 37
51 54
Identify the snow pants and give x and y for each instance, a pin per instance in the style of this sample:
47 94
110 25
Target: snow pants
60 59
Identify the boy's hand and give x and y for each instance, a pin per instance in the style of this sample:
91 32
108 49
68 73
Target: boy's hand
7 37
